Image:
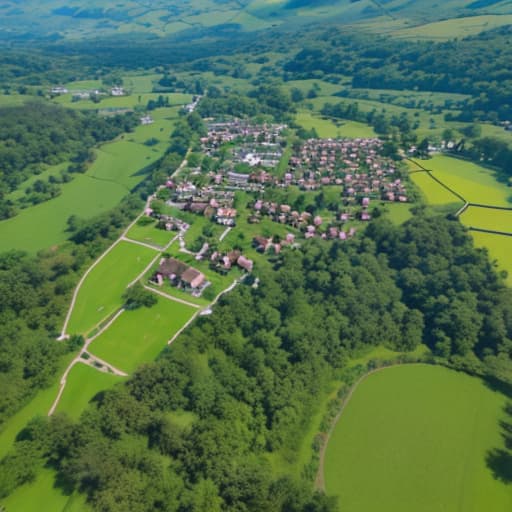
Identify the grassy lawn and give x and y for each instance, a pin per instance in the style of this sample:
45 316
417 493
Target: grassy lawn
475 183
83 384
416 438
138 336
100 295
485 218
434 193
500 249
150 234
397 213
43 495
115 171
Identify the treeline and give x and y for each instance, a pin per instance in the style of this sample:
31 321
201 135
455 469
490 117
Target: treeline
476 65
249 376
38 134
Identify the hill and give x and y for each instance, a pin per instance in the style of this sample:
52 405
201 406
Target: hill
72 19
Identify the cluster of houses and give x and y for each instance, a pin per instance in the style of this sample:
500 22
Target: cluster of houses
354 164
224 262
180 275
87 95
242 131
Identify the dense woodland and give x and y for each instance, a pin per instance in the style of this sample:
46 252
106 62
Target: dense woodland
250 375
36 135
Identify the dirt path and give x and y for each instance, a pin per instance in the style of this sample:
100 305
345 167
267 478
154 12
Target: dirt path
170 297
143 244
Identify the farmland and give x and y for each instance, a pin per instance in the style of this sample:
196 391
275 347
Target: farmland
327 128
434 192
138 336
96 301
500 249
83 384
435 428
149 234
486 218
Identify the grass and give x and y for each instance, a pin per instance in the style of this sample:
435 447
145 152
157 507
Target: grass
138 336
327 128
122 102
150 234
398 213
416 438
473 182
433 192
43 495
485 218
100 295
83 384
499 248
115 171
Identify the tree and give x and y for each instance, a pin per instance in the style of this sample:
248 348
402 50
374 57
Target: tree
137 296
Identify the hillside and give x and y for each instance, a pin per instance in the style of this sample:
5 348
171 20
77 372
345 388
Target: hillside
74 20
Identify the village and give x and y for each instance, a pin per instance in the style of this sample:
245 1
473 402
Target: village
243 161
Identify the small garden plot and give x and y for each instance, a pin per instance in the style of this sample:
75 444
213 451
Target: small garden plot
138 336
473 182
101 292
417 438
83 384
499 248
150 234
487 218
434 192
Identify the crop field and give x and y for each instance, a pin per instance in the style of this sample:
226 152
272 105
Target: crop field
149 234
416 438
138 336
434 193
473 182
43 495
96 301
499 248
83 384
115 171
485 218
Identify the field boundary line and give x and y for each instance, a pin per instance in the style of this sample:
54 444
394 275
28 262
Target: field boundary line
141 275
170 297
326 437
143 244
490 231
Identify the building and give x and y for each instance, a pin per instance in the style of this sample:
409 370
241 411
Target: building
179 274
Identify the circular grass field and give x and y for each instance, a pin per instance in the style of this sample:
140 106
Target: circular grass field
416 438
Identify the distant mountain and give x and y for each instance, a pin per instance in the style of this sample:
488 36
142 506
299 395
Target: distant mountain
76 19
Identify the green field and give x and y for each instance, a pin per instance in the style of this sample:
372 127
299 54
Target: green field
114 172
149 234
485 218
397 213
434 193
138 336
473 182
43 495
416 438
121 102
83 384
500 249
329 129
100 294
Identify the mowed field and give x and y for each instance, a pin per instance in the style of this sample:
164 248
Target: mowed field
433 192
138 336
102 290
83 384
486 218
416 438
328 129
115 171
150 234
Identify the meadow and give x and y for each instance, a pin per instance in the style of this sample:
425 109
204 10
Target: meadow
150 234
416 438
116 170
473 182
101 293
327 128
83 384
486 218
433 192
499 248
138 336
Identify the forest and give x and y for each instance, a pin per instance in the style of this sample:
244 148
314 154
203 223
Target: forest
250 374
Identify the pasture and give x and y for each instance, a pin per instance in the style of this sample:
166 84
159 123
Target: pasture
327 128
83 384
486 218
397 213
473 182
101 293
149 234
138 336
416 438
499 248
115 171
433 192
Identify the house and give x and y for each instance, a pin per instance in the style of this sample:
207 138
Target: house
59 90
245 263
117 91
145 120
260 243
179 274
